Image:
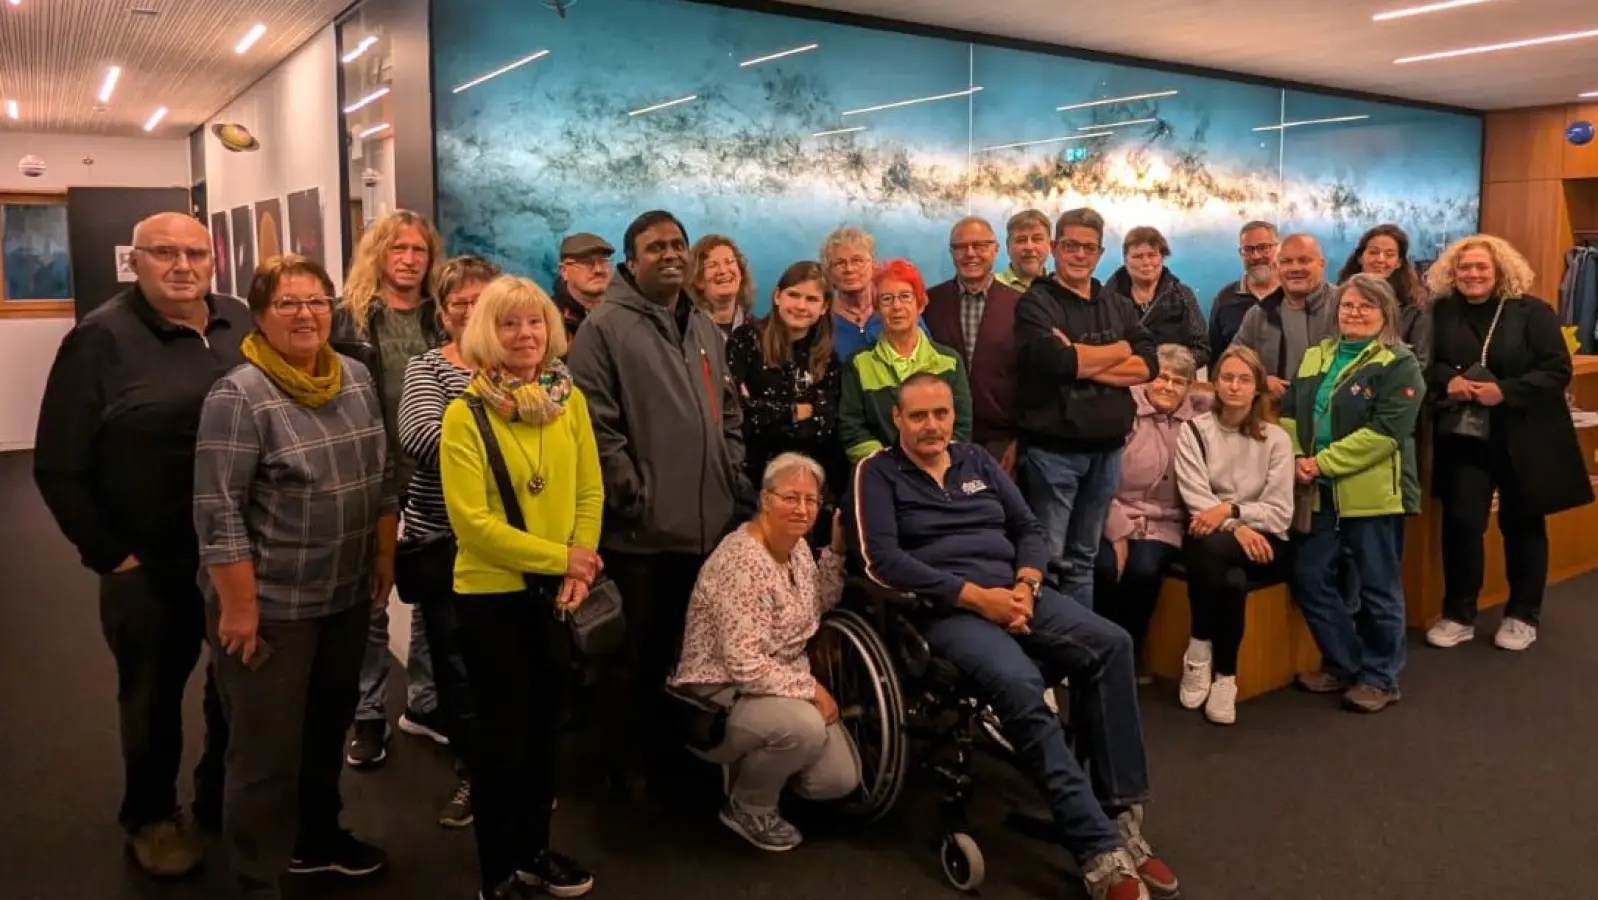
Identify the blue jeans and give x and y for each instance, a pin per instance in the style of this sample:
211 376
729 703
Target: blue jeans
420 694
1070 494
1096 655
1365 646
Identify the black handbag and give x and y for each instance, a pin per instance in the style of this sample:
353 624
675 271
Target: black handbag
1467 419
424 567
599 626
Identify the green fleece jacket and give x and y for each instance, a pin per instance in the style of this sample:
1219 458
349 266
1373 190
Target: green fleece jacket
871 389
1374 402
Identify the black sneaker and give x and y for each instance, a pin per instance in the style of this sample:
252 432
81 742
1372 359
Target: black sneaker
344 855
430 725
457 812
509 889
368 745
556 875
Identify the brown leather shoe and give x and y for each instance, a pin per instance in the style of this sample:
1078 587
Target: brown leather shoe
1367 698
164 849
1320 683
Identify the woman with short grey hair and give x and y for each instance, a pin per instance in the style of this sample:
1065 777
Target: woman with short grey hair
758 602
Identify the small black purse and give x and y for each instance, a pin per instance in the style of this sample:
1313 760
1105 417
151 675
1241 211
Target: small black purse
424 567
1467 419
599 626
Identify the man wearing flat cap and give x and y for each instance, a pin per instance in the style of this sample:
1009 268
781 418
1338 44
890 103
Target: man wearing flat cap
585 274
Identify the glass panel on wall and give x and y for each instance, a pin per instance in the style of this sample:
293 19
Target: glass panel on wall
365 48
34 253
1350 164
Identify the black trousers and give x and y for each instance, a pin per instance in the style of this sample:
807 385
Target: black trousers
429 589
505 640
288 716
1218 575
655 589
154 622
1468 471
1128 599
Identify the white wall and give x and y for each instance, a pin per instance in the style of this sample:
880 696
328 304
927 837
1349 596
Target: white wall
27 346
293 112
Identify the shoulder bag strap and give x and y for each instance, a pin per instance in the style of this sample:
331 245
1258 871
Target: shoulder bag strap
1203 445
496 464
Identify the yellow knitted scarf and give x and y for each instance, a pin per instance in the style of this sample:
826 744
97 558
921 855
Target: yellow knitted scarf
311 391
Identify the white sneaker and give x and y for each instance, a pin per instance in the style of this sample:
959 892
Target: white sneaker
1515 634
1448 633
1221 706
1196 674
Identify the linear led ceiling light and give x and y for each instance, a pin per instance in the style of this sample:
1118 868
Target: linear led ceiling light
1422 10
1116 124
1494 48
1285 125
669 103
364 45
778 55
155 119
373 97
1108 101
508 67
109 86
895 105
375 129
249 39
839 131
1586 96
11 109
1053 140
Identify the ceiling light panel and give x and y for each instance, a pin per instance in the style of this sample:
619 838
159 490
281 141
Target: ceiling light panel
508 67
1496 48
667 105
11 109
778 55
109 85
1283 126
1052 140
369 99
911 102
249 39
1408 11
1106 102
155 119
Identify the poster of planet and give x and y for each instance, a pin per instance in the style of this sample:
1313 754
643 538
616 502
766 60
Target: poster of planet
268 229
243 248
305 224
222 252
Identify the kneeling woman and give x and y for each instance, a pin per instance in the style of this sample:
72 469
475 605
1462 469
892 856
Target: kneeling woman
511 579
757 604
1351 412
1235 472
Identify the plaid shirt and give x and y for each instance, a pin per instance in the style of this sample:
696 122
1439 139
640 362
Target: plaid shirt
296 491
972 305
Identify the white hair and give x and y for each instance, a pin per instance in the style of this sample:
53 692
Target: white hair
787 464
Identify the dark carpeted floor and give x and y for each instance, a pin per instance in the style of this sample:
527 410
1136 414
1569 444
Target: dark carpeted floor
1478 785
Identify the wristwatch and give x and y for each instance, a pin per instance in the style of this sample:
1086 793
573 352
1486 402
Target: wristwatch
1236 513
1032 582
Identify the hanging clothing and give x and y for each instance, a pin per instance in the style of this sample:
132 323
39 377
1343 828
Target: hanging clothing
1578 295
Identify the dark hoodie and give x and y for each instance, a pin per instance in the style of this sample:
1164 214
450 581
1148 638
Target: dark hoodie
1172 317
666 419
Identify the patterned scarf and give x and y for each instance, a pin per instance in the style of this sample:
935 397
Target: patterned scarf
534 402
310 391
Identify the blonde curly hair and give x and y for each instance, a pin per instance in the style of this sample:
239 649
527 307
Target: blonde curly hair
1515 276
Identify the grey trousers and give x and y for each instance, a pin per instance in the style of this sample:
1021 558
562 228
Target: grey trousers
774 740
287 720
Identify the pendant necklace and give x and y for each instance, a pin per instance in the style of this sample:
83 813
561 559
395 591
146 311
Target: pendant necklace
535 484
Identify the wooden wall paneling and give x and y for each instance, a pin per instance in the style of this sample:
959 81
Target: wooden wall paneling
1524 144
1532 216
1580 162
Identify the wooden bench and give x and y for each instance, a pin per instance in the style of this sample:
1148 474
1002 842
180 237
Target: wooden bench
1276 643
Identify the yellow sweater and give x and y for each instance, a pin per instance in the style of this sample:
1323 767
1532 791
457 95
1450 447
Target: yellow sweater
492 554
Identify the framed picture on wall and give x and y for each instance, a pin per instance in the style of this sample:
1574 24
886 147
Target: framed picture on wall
268 228
222 252
305 225
243 247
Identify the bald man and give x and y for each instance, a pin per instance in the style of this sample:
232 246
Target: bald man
1306 315
114 461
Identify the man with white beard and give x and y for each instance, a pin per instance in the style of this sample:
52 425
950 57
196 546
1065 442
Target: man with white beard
1256 244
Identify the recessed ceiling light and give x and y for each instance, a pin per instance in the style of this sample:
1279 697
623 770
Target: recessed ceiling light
1108 101
155 119
1494 48
898 103
110 83
360 48
16 2
1285 125
1052 140
500 71
669 103
375 129
249 39
778 55
373 97
11 109
1423 10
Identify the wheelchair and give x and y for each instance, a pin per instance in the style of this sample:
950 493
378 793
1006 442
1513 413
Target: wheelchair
910 711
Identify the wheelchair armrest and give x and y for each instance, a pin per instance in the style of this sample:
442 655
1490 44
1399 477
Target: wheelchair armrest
887 595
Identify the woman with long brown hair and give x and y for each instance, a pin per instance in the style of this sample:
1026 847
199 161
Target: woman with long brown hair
719 282
788 376
1383 251
1234 467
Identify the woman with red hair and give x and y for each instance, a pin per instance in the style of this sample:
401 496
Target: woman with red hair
871 379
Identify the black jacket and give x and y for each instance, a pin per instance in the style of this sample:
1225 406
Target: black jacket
1172 317
1532 426
360 345
1055 411
573 313
770 394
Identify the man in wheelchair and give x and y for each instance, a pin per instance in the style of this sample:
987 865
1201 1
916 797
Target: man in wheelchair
941 520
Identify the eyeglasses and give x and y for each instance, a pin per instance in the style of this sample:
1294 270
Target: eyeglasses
973 247
289 307
807 500
460 306
595 263
1358 309
1256 249
1073 248
168 254
853 262
905 298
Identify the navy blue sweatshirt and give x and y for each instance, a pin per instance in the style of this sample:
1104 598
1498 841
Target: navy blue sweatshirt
929 539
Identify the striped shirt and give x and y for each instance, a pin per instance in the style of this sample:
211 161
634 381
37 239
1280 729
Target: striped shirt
293 490
431 382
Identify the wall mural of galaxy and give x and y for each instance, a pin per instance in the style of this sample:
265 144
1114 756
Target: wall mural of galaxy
774 130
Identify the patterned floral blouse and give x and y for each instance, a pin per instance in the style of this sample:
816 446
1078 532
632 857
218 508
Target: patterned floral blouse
751 617
770 394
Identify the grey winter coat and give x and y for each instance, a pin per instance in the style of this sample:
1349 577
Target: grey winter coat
1281 335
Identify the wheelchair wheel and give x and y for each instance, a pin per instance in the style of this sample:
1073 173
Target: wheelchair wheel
850 659
962 861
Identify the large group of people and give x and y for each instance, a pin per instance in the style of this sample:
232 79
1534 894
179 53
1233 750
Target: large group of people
1031 451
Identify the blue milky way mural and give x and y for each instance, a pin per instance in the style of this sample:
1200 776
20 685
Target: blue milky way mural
775 130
